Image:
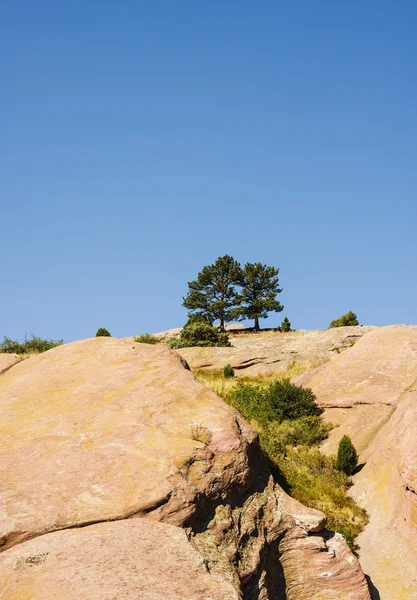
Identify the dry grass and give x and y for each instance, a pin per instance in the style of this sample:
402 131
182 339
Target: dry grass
222 386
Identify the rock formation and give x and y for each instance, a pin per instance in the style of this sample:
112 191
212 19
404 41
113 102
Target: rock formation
265 353
122 477
370 392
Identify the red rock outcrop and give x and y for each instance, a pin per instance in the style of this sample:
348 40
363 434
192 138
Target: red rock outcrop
101 439
370 392
269 352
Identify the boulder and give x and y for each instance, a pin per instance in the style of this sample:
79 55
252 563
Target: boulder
121 476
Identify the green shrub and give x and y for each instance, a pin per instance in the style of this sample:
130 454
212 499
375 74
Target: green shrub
199 332
102 332
278 401
347 320
228 371
285 325
34 345
146 338
347 457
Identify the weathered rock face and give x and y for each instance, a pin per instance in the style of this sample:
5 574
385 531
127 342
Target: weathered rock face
370 391
97 435
124 560
266 353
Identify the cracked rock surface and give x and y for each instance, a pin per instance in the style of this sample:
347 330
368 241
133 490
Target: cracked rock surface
122 477
265 353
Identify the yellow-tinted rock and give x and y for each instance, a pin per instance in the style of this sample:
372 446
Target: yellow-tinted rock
103 429
136 559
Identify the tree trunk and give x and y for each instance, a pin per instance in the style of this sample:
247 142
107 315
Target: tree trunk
257 324
221 328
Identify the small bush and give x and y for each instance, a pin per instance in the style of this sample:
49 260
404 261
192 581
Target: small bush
347 457
228 371
33 345
285 325
278 401
347 320
102 332
199 332
146 338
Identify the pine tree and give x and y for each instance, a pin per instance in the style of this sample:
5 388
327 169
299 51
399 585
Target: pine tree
213 294
347 458
259 290
285 325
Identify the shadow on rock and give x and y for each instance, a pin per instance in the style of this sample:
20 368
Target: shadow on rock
372 589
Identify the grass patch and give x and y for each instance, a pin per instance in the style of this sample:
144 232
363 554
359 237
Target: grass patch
215 380
290 429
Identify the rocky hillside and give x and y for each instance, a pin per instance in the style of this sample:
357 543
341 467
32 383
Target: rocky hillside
265 353
366 381
123 477
370 392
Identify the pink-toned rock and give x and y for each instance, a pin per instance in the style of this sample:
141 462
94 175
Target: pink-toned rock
269 352
109 430
318 567
124 560
375 371
103 429
7 361
369 391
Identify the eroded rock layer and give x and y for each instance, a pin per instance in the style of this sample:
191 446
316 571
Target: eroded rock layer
370 392
265 353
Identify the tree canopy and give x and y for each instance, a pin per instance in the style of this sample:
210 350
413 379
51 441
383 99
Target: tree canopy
213 294
259 291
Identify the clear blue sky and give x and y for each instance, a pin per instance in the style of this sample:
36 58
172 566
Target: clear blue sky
141 140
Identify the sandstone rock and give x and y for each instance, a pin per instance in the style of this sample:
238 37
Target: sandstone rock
106 430
7 361
135 559
265 353
370 392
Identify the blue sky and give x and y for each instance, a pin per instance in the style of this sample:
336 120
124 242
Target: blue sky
142 140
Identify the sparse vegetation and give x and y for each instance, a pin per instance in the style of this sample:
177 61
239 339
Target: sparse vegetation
198 331
32 345
103 332
347 457
228 371
146 338
199 433
290 429
347 320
